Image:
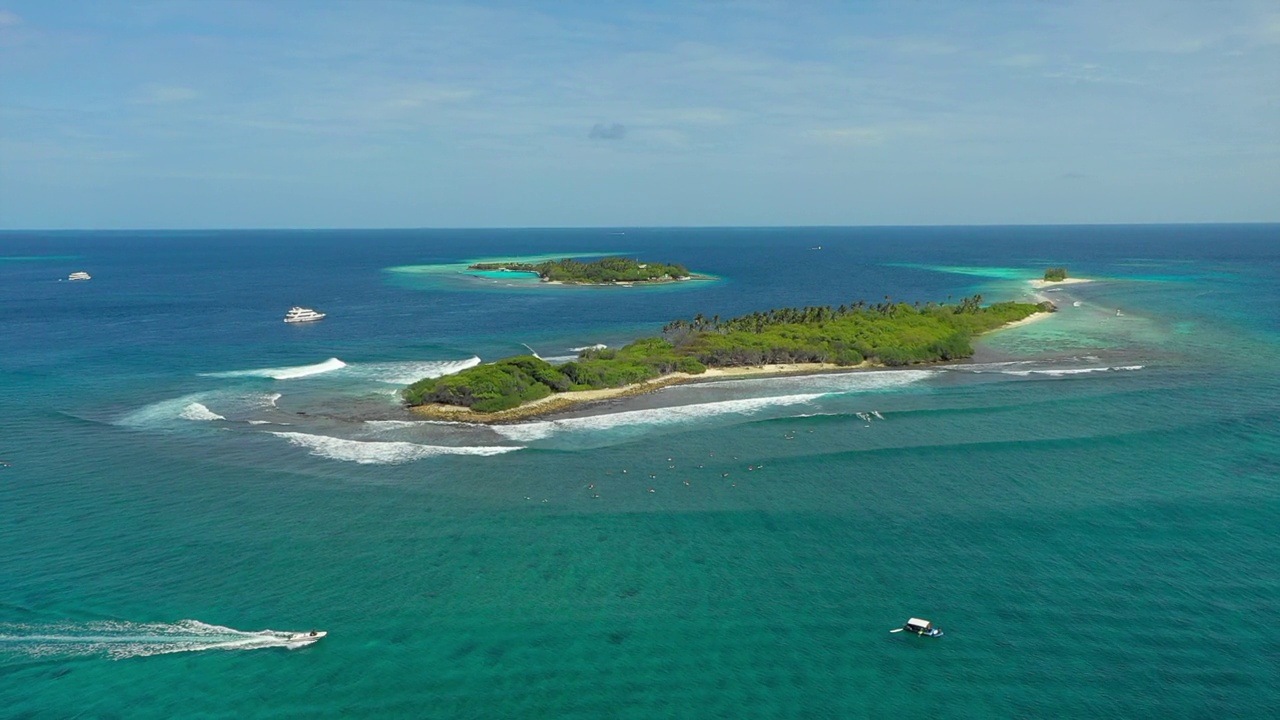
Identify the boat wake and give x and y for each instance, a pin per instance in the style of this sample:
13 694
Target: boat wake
119 640
379 452
283 373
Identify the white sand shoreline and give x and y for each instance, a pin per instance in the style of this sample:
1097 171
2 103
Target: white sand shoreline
1041 284
560 402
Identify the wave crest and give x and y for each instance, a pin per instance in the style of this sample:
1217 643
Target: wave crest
283 373
370 452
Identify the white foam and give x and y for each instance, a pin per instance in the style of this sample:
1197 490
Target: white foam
597 346
525 432
379 452
1059 372
165 414
283 373
197 411
835 382
409 371
119 640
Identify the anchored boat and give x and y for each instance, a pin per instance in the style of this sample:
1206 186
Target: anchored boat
921 627
300 314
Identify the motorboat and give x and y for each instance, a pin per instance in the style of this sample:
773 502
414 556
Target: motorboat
306 636
922 627
300 314
79 275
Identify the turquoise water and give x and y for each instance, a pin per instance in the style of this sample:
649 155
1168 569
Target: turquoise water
1088 508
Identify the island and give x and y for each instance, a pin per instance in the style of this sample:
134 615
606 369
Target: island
1055 274
774 341
605 271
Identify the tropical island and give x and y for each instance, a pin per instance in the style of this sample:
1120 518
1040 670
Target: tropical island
605 271
774 341
1055 274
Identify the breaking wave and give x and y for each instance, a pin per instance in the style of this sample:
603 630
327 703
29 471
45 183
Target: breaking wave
197 411
407 372
197 407
525 432
283 373
597 346
119 640
1058 372
381 452
392 373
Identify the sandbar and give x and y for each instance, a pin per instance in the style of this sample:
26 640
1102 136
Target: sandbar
1040 284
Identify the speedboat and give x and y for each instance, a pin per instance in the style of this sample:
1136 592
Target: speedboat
79 275
300 314
922 627
307 636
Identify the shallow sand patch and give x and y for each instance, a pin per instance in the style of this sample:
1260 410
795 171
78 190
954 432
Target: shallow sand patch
1040 283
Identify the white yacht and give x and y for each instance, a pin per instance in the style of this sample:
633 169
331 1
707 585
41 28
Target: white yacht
300 314
78 275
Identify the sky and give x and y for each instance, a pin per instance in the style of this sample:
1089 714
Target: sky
371 114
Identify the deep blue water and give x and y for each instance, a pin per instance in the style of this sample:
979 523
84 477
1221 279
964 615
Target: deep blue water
1089 508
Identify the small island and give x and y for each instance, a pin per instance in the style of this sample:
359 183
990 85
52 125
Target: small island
774 341
1055 274
605 271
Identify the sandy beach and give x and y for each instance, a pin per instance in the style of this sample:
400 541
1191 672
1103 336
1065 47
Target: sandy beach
1041 284
564 401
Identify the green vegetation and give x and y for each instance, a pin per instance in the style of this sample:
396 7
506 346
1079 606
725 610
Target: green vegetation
598 272
886 333
1055 274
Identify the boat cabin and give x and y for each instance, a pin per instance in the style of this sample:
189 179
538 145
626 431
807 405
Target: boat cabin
921 627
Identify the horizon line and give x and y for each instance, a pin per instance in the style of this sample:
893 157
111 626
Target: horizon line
632 227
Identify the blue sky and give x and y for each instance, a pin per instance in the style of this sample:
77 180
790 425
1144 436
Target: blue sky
191 114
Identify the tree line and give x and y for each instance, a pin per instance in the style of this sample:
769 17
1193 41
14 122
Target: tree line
886 333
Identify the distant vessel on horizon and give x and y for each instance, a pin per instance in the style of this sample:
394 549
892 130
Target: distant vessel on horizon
79 275
298 314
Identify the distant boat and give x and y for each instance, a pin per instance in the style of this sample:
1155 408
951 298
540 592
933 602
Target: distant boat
307 636
300 314
924 628
79 275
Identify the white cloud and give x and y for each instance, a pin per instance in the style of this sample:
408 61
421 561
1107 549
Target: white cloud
8 19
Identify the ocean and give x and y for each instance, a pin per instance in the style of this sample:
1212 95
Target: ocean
1089 508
